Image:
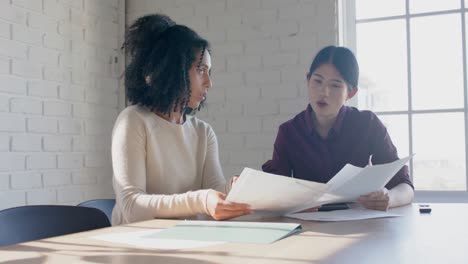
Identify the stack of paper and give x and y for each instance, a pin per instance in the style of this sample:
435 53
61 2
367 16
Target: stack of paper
343 215
273 193
282 195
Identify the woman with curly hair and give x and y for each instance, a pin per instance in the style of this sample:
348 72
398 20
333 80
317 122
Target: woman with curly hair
165 160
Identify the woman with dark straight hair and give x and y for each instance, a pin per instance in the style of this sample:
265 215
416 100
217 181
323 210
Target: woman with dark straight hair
322 139
165 160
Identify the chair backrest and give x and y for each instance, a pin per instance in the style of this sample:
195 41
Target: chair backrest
105 205
27 223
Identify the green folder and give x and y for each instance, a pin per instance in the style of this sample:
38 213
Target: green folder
236 232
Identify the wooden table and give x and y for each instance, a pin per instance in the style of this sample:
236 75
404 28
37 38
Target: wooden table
438 237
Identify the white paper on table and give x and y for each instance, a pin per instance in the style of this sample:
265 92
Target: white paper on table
266 192
352 182
143 239
343 215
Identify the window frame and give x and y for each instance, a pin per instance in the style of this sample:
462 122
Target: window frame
347 37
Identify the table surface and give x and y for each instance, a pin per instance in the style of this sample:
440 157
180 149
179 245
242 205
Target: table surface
438 237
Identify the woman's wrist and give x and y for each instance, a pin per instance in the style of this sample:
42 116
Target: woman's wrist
207 196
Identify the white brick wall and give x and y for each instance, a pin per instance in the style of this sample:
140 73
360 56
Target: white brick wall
28 180
56 178
58 77
4 66
261 52
4 142
26 143
60 93
4 181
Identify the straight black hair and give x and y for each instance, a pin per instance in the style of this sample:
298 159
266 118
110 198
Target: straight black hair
344 61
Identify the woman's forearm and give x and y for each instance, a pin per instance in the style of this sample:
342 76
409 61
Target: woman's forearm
401 194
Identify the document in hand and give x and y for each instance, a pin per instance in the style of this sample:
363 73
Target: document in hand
279 195
352 182
275 194
236 232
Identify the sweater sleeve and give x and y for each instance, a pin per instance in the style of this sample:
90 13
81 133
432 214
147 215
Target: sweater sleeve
213 177
133 203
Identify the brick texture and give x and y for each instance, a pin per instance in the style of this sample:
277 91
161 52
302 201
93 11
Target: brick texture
43 79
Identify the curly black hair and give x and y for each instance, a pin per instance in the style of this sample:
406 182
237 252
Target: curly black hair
161 54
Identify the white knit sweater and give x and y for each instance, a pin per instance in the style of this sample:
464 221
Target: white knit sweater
162 169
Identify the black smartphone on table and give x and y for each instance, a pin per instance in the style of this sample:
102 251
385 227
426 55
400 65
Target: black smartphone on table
333 206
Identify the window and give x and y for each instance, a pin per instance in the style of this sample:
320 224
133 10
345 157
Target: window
412 57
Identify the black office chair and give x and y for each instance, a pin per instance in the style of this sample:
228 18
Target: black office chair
27 223
105 205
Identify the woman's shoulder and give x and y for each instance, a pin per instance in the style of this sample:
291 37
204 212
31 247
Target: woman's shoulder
361 117
135 113
133 120
135 110
134 116
200 125
297 122
358 113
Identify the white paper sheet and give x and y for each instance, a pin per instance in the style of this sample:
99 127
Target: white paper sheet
344 175
352 182
343 215
271 194
143 239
